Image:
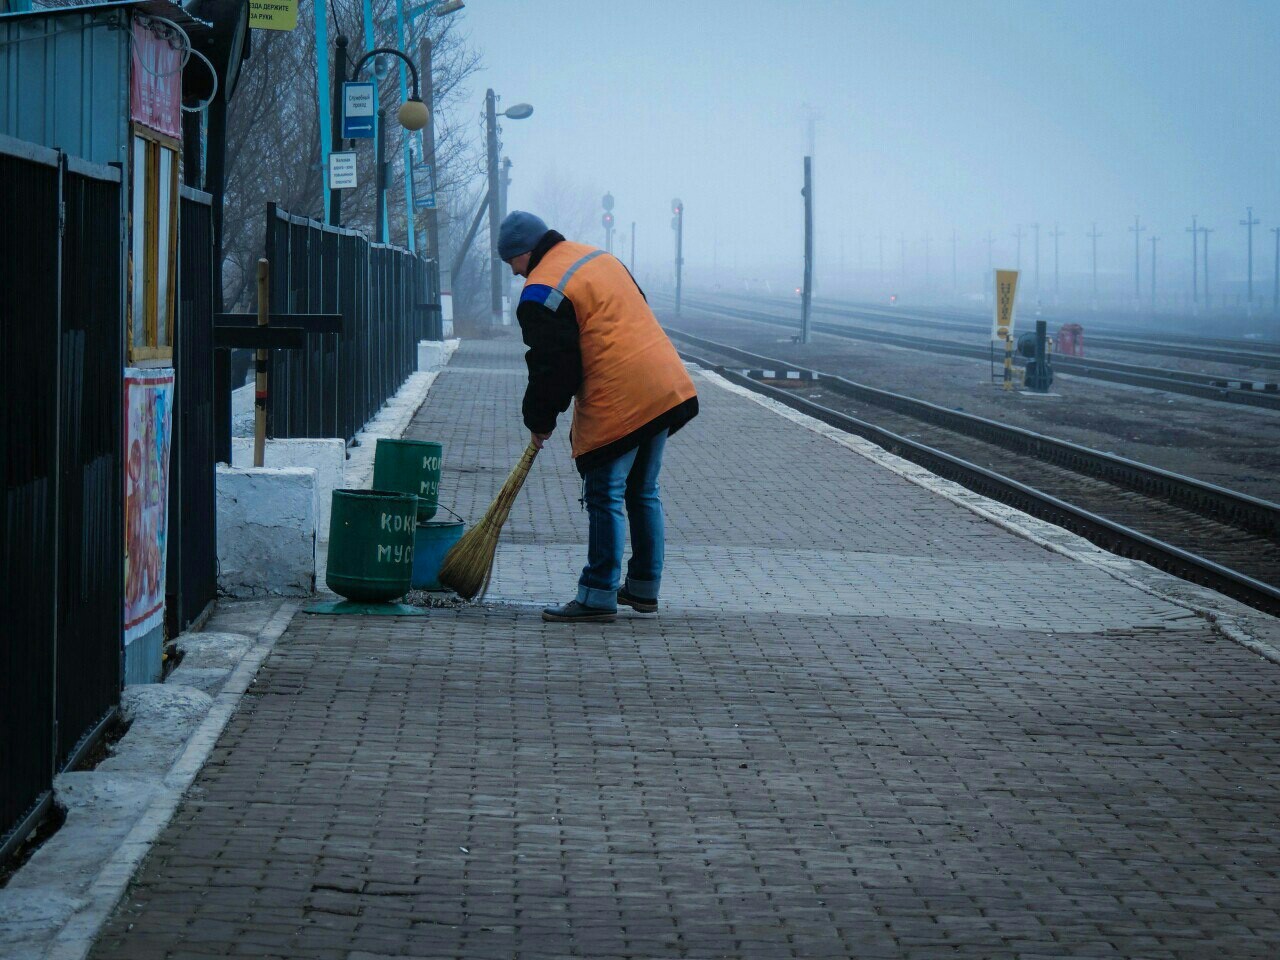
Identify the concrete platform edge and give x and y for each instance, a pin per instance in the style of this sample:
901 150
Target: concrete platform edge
1231 620
77 936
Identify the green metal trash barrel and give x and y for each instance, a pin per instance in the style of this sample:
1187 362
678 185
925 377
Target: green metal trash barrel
371 544
410 466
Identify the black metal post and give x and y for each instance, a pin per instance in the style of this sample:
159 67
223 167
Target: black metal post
339 78
191 170
380 179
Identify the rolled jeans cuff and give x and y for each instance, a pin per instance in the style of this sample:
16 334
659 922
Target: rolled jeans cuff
596 598
643 589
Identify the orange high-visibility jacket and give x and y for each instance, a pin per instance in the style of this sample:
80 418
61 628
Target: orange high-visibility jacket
631 373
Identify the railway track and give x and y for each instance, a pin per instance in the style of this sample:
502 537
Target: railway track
1207 534
1205 386
1209 350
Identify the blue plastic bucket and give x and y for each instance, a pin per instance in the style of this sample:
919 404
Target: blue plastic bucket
432 540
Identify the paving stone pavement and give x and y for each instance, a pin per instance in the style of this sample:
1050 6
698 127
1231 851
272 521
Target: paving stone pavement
867 724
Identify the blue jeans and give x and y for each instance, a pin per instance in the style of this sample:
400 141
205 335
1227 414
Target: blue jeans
631 479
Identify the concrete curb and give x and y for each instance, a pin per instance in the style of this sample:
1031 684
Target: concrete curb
1232 620
78 934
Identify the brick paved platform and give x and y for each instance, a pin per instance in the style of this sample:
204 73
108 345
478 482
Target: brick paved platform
868 723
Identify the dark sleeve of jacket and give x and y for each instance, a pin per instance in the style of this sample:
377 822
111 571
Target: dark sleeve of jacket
555 362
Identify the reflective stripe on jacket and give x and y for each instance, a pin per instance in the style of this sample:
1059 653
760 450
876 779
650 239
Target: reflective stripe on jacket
631 373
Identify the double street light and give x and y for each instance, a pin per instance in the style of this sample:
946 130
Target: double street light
519 111
413 115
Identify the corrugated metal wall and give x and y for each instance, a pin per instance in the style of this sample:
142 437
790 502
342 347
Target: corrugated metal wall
64 82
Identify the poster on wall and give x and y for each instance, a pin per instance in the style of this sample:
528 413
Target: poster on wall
148 400
155 85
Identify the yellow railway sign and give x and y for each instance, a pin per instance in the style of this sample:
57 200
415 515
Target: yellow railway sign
1006 292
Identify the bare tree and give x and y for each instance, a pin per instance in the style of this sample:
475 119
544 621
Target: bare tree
570 206
273 135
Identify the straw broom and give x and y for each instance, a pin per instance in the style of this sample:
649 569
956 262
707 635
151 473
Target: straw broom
469 564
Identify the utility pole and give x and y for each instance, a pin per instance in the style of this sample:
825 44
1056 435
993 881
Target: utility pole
991 265
495 264
1017 235
429 158
1056 234
677 224
1275 275
955 277
808 246
1154 241
1208 298
1136 229
1094 235
1249 222
504 184
1036 229
1195 260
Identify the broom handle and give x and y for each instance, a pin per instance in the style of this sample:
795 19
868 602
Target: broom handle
510 489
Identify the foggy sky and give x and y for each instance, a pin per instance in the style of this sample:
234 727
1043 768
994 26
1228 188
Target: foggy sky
934 115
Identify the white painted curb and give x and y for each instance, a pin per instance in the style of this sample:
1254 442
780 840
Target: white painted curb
77 935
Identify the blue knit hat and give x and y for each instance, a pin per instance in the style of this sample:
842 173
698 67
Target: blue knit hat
519 233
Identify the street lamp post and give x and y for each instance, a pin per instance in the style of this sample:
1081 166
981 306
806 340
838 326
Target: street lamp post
518 112
404 20
413 115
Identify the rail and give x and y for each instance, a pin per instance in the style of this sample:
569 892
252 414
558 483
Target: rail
1250 512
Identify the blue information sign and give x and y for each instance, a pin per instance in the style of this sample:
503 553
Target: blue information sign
358 106
424 187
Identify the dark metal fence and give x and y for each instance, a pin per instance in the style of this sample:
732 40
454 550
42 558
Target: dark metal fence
191 580
340 380
61 528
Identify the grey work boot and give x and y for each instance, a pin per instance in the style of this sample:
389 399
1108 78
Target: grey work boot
574 612
636 603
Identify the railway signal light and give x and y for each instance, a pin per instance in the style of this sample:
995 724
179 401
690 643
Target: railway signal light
607 220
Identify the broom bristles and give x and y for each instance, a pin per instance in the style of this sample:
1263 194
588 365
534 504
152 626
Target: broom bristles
469 563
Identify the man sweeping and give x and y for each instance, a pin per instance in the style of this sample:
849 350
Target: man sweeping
592 338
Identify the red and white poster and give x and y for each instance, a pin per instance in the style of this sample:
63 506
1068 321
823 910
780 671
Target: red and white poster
148 418
155 88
